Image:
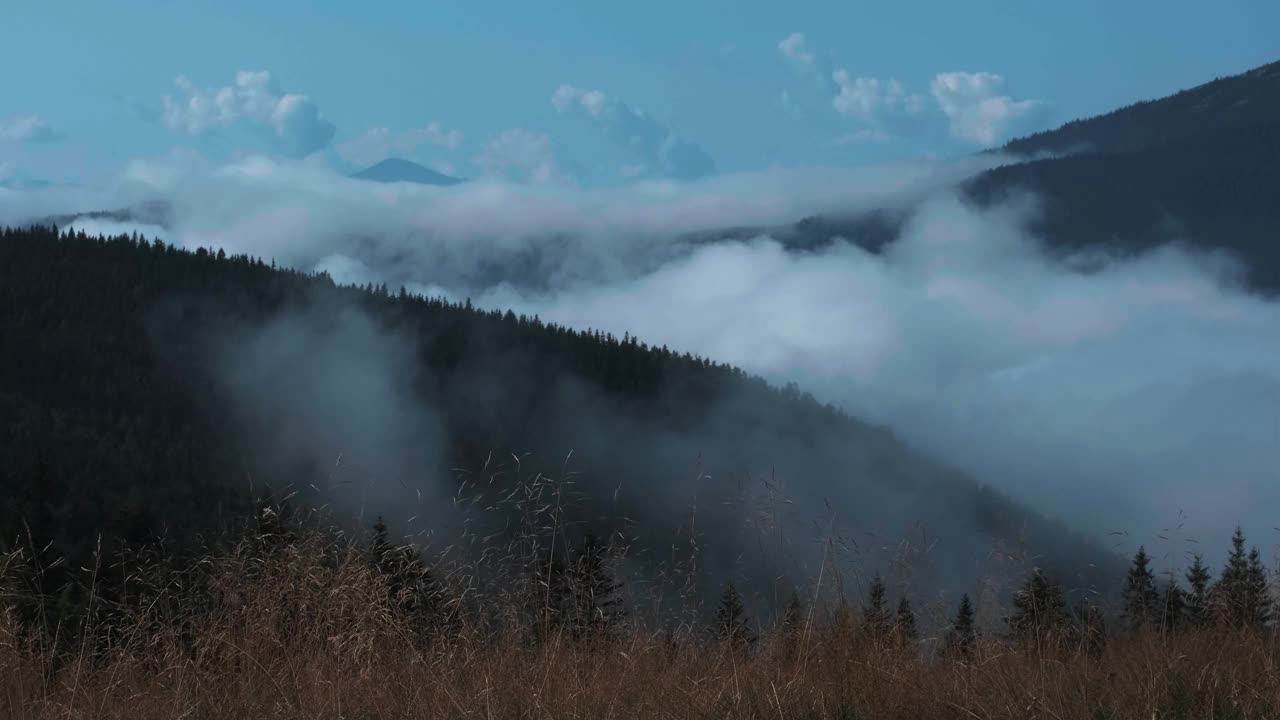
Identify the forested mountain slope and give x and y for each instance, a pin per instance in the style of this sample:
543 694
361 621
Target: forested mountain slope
148 390
1201 167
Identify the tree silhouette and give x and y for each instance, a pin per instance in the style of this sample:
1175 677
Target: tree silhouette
962 637
1197 598
1141 600
876 621
1240 597
596 605
731 622
904 622
1038 608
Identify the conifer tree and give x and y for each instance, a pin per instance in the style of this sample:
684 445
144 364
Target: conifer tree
1141 600
596 606
1257 592
1039 607
963 635
731 621
876 621
1197 597
1240 598
1173 606
904 623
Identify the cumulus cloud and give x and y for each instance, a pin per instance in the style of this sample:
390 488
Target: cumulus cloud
652 142
379 143
979 114
794 48
868 99
520 155
294 120
27 129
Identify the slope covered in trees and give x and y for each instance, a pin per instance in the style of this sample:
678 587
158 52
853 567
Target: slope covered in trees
148 390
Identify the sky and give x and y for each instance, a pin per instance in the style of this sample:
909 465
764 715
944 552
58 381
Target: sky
586 92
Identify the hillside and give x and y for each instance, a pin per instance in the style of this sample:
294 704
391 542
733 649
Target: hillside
1198 167
147 390
1241 101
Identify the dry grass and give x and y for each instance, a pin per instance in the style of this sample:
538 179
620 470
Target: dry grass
303 629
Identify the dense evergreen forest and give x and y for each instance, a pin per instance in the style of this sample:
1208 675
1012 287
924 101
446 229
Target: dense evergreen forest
151 391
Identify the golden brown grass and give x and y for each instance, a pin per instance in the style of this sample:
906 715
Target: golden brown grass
304 630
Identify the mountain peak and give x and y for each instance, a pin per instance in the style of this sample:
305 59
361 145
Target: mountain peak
401 170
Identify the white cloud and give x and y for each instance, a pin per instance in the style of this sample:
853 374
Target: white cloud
868 99
794 48
27 129
379 143
978 113
294 119
654 144
520 155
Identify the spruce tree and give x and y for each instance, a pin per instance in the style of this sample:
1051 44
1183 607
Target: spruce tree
1039 607
1234 597
1141 600
731 622
963 635
875 613
1257 592
904 623
596 605
1197 597
1173 606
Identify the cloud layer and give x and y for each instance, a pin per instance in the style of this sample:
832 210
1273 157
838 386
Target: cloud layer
294 120
1116 396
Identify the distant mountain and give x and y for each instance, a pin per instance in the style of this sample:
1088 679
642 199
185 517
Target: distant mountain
1201 167
397 170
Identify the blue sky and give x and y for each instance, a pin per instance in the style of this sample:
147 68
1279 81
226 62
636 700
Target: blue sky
654 89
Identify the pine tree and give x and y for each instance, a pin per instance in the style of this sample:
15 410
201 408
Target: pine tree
731 621
963 635
1173 606
905 621
596 606
875 613
1197 599
1141 600
1239 597
1257 592
1038 607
